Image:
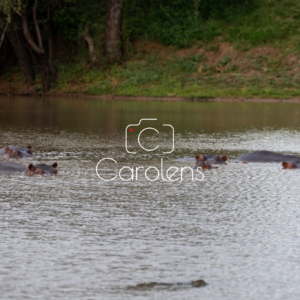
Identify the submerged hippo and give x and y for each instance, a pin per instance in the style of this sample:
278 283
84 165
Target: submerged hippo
12 167
145 286
288 161
47 169
212 159
16 152
27 150
204 165
291 165
267 156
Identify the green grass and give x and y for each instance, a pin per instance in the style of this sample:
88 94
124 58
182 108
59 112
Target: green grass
179 77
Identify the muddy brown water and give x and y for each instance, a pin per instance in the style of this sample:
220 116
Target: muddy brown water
75 236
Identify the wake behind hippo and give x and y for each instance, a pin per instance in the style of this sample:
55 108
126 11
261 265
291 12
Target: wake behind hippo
12 167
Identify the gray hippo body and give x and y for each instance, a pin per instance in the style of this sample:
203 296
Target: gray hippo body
12 167
288 161
267 156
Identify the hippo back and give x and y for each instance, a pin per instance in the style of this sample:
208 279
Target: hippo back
267 156
10 166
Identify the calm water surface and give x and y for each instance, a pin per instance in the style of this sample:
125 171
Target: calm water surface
73 236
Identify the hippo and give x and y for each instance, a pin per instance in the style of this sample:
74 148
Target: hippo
288 161
27 150
145 286
212 159
205 161
291 165
204 165
267 156
12 167
47 169
16 153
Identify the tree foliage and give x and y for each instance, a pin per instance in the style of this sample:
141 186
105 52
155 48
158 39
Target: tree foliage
37 23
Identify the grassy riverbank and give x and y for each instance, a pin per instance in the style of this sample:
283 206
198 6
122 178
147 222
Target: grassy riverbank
256 54
213 70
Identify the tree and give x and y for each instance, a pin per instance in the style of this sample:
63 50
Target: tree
16 12
42 59
113 30
12 32
18 43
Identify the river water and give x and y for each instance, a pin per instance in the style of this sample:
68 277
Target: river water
75 236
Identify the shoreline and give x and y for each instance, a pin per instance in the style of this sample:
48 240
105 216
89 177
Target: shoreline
149 98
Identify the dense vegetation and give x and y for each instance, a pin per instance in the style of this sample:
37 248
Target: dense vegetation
104 46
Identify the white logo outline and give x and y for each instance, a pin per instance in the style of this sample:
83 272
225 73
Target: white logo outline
147 119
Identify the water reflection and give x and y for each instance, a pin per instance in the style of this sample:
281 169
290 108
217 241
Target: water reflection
92 115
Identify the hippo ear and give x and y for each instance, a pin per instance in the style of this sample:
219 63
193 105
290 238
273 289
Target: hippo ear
31 167
197 157
29 147
285 165
54 165
7 150
224 157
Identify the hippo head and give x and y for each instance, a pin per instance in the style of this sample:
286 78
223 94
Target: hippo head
12 153
47 169
32 170
222 158
287 165
200 158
